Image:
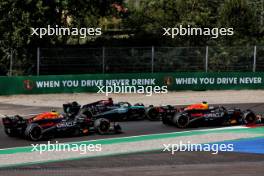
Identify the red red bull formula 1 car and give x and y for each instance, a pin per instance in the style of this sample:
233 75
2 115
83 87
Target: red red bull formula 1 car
203 115
73 122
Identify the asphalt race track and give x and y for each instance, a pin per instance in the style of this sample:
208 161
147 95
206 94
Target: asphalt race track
152 163
131 128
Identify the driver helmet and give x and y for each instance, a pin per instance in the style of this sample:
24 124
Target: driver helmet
205 105
110 101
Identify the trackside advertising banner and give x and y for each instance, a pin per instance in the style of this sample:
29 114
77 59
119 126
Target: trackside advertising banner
89 82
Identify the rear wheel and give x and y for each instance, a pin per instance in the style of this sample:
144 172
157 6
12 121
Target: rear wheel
87 113
33 132
152 113
181 121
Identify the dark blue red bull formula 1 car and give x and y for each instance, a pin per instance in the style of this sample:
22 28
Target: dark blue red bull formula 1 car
73 122
203 115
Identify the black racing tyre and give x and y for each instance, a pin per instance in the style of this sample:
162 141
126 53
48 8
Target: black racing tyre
152 113
181 121
87 112
9 132
117 128
86 116
249 118
102 126
33 132
165 120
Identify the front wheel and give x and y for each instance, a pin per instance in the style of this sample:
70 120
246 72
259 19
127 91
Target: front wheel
165 120
9 132
117 128
102 126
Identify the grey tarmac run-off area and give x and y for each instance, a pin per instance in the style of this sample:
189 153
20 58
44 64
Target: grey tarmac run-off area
150 163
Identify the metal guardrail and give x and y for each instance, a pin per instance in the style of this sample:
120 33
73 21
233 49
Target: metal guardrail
146 59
